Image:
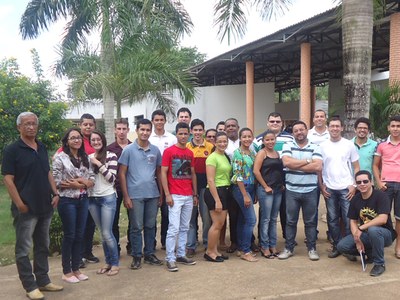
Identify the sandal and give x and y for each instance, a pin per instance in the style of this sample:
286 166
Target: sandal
113 271
274 253
267 254
103 270
248 257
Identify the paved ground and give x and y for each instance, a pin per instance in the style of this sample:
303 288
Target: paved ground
295 278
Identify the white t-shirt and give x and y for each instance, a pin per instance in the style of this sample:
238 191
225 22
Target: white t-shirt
232 146
337 171
162 141
317 138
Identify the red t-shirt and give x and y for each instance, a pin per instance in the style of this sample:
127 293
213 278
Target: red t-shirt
179 162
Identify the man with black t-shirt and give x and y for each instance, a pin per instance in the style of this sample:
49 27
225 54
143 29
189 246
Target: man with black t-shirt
370 224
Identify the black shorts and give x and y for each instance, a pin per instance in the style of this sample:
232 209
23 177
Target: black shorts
224 193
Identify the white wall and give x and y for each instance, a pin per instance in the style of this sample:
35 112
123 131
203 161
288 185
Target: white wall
212 105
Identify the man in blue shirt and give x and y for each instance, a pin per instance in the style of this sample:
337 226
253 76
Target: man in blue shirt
140 165
303 160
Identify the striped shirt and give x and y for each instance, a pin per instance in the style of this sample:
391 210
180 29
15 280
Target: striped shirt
105 178
299 181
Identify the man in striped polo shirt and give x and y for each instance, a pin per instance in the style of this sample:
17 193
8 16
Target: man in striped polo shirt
303 160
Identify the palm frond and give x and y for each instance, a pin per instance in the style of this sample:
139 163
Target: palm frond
230 18
272 8
40 14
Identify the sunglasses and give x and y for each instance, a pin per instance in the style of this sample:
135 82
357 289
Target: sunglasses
273 121
365 181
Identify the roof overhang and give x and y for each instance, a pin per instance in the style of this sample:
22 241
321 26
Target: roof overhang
276 57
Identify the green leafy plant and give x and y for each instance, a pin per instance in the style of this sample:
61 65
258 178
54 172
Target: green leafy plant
56 234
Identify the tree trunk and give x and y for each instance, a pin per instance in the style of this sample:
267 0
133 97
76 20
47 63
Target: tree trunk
357 27
107 52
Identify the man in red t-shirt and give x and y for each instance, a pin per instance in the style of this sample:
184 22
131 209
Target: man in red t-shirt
180 186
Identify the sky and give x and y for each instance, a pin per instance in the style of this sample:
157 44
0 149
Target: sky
204 35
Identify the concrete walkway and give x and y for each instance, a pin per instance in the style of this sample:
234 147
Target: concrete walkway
295 278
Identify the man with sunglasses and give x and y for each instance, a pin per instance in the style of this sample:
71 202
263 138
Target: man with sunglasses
370 224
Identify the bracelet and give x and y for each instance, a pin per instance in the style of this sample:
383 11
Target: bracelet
55 195
195 195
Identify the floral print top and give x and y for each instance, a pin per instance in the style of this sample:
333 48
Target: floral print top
242 166
63 169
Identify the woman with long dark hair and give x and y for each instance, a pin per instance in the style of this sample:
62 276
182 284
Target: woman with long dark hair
73 176
243 190
102 200
268 170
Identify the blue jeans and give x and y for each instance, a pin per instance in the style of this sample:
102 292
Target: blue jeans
269 210
32 230
102 210
374 240
206 220
179 217
143 217
337 207
308 204
73 214
246 218
393 192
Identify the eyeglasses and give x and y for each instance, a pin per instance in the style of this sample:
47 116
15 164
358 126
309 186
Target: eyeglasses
75 138
275 121
26 125
365 181
210 136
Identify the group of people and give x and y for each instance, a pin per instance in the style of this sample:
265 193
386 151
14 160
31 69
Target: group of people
215 173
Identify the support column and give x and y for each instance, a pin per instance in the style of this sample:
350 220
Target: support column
394 50
250 95
313 105
305 83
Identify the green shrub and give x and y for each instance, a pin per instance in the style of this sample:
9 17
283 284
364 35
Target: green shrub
56 234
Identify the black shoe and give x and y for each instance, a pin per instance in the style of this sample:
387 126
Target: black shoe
186 261
224 257
377 270
334 253
152 260
209 258
90 258
82 264
136 263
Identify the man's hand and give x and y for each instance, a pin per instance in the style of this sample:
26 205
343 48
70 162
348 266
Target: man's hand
195 200
325 192
247 201
23 208
160 200
169 200
128 203
350 194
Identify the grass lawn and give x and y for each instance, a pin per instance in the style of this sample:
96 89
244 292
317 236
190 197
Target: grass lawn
7 232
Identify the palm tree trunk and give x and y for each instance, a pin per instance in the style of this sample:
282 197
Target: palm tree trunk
107 65
357 27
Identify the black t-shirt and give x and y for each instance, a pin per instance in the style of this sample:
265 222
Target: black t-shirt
365 210
30 169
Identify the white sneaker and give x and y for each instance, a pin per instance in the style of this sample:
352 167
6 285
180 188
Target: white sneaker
285 254
313 254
